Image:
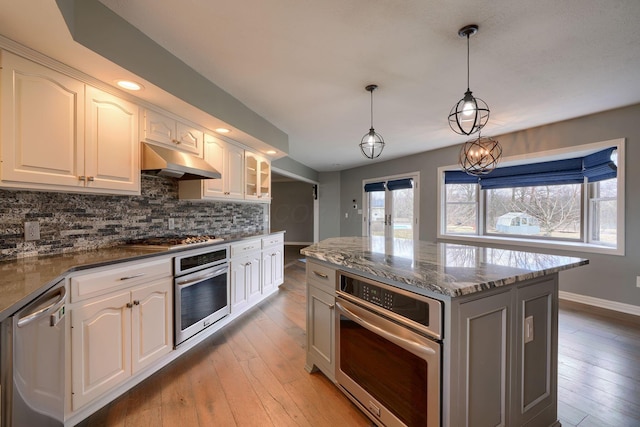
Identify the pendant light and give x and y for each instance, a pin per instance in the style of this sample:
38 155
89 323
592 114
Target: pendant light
480 155
470 114
372 143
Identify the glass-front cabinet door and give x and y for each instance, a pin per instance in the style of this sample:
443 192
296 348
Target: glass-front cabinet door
257 177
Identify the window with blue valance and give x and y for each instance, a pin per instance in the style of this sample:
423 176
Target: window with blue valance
374 186
595 167
396 184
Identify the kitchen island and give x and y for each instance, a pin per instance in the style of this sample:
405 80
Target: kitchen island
496 337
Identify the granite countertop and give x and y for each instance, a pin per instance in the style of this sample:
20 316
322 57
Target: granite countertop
22 280
449 269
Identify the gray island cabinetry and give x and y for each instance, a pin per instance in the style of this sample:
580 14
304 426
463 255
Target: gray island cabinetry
497 332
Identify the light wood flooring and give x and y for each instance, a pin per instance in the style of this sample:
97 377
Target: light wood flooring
252 374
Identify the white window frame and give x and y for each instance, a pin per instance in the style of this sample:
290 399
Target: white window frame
416 201
550 155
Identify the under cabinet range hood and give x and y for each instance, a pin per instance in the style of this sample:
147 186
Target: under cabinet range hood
175 164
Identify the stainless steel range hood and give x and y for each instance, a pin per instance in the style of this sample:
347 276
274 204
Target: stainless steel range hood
175 164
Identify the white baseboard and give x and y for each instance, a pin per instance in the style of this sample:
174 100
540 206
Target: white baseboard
602 303
298 243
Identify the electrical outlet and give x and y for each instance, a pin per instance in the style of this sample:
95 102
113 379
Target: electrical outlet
528 329
31 231
172 223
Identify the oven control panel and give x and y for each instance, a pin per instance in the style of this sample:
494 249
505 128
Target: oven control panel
377 296
399 304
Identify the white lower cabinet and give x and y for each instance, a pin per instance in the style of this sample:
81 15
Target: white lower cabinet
245 281
272 262
116 335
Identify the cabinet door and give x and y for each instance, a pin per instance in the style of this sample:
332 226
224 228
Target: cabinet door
234 169
214 154
264 191
272 269
111 147
151 323
320 331
251 175
238 284
42 125
159 128
252 276
483 362
189 139
100 347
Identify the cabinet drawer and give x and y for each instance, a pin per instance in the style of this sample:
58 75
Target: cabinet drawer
244 247
84 286
321 276
276 239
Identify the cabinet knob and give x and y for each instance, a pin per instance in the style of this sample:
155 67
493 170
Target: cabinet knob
82 178
90 179
136 302
129 305
247 263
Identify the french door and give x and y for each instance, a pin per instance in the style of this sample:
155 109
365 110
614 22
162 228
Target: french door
391 207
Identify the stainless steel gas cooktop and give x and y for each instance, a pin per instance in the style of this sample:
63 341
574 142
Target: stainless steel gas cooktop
174 242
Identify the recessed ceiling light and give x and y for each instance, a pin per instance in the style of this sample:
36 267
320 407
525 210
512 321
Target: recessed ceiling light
271 152
129 85
223 130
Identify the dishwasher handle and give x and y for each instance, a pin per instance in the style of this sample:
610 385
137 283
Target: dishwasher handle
44 311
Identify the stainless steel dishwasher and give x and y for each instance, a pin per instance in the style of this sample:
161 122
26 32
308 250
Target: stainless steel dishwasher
33 362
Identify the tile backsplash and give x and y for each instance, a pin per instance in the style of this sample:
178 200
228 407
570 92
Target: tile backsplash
74 222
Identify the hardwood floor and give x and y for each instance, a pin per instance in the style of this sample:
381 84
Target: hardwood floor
598 367
252 374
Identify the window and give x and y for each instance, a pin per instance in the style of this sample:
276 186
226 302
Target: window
561 199
391 207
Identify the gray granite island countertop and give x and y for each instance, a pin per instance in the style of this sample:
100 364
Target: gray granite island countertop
449 269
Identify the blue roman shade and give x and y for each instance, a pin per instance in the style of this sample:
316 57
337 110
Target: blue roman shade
600 166
400 184
595 167
374 186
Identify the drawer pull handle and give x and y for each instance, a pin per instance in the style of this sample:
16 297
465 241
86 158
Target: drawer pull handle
129 305
247 263
132 277
324 276
136 302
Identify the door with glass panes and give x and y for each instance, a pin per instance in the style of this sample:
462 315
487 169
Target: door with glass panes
391 207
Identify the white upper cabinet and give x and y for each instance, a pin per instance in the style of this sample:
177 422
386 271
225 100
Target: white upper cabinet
111 146
226 158
257 177
54 135
162 129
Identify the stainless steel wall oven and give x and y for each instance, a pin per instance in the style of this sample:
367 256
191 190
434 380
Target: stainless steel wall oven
201 290
388 351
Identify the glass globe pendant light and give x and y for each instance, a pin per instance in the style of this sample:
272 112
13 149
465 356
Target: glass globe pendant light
480 155
372 143
470 114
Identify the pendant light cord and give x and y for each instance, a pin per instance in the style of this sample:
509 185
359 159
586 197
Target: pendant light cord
372 108
468 62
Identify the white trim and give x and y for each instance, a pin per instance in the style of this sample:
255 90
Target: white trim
542 156
602 303
416 200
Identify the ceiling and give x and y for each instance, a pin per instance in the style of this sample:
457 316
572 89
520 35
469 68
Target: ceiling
303 65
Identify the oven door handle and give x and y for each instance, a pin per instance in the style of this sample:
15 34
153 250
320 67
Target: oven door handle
187 283
368 320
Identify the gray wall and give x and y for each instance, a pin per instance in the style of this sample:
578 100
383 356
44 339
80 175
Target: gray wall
329 204
292 210
287 164
607 277
72 222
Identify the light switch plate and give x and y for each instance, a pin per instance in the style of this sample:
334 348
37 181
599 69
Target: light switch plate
528 329
31 231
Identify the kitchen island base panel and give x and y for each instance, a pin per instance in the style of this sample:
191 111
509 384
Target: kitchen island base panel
499 347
